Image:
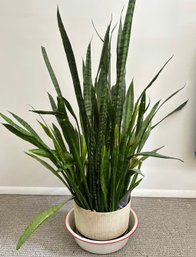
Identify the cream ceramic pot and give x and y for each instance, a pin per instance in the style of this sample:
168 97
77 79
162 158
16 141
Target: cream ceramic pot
101 247
102 225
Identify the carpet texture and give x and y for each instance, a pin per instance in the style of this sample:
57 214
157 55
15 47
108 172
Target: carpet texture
167 228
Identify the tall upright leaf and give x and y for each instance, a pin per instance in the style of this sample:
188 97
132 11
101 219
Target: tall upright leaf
105 176
51 72
128 108
103 85
74 72
87 92
104 66
123 47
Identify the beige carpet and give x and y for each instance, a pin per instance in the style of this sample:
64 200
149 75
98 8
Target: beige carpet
167 228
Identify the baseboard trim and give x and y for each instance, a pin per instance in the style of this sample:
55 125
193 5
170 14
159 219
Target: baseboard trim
165 193
34 190
65 191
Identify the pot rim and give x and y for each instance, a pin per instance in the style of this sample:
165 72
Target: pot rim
105 213
104 242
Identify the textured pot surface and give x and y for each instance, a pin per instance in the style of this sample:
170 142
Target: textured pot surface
101 225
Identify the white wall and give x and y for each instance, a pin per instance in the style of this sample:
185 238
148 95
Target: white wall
161 28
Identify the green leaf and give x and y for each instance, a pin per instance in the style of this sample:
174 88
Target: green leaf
141 113
138 171
68 106
69 133
27 137
155 77
124 40
37 221
74 73
54 106
102 78
128 108
48 166
84 150
123 47
171 96
46 130
71 139
144 138
87 92
136 139
59 137
102 95
52 103
119 41
41 152
134 185
142 159
78 192
114 168
148 105
97 31
104 51
141 95
57 141
105 176
58 114
180 107
30 136
24 124
45 164
156 155
131 124
14 125
133 181
51 72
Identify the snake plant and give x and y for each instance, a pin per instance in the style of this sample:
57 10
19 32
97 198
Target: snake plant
99 156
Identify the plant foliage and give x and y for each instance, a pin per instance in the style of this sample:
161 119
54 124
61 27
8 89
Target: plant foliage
99 157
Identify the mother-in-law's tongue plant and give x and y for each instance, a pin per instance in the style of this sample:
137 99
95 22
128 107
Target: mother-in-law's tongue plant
99 159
